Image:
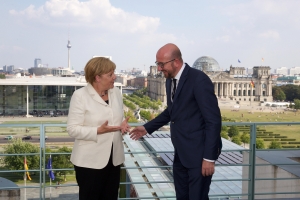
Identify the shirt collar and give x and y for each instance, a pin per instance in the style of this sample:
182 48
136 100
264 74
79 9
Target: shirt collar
178 75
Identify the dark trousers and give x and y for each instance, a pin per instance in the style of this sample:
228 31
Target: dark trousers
98 184
189 182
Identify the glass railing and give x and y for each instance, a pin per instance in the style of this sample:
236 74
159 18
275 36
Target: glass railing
242 171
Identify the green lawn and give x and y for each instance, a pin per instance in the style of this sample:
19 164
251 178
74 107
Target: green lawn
18 177
280 116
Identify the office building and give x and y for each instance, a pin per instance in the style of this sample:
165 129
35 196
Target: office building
37 63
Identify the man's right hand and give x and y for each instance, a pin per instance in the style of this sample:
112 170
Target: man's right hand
137 132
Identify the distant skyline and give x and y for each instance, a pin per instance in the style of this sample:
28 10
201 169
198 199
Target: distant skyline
238 33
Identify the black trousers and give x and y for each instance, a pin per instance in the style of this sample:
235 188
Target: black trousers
98 184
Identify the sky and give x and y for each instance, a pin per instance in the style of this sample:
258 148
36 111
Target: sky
131 31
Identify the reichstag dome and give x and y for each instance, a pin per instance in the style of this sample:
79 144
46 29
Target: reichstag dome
206 63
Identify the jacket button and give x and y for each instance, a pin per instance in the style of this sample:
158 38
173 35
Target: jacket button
173 122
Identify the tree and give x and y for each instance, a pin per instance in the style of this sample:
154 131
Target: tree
275 145
233 131
236 139
260 143
224 135
291 91
297 104
17 146
245 138
278 94
159 102
62 161
224 128
140 92
130 114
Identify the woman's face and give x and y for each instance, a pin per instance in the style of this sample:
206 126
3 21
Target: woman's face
107 80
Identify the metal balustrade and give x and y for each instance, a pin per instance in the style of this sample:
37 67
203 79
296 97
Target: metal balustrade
250 153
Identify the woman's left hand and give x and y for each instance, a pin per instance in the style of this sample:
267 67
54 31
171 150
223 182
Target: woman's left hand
125 126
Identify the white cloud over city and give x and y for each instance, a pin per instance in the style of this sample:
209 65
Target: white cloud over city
94 13
132 31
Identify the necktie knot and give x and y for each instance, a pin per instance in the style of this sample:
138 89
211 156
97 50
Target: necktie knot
174 88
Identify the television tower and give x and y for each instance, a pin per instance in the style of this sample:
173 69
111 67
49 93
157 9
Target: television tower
69 61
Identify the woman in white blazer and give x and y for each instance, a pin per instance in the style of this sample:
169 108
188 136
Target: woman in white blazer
96 121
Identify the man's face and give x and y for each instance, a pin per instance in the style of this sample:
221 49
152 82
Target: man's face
166 67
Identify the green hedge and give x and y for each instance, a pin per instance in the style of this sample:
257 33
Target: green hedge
289 146
265 136
288 139
283 142
281 136
294 142
268 139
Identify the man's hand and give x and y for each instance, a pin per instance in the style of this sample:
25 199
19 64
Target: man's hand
138 132
125 126
104 128
208 168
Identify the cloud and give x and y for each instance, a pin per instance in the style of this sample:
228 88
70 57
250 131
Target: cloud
14 48
92 13
152 38
224 38
257 11
270 34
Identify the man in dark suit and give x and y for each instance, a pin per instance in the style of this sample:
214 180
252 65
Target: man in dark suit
195 122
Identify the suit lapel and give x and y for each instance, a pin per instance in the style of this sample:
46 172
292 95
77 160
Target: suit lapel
182 80
168 91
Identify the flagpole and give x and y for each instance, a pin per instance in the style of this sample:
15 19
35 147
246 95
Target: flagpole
50 173
50 181
25 179
251 99
50 188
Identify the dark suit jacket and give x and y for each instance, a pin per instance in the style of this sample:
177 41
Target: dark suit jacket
194 117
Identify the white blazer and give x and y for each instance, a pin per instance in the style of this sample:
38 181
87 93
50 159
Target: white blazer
87 112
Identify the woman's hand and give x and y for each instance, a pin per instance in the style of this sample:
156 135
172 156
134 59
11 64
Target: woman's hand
104 128
125 126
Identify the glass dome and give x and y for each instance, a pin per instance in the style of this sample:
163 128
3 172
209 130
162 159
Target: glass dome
206 63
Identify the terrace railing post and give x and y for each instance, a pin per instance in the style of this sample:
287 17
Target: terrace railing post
42 162
127 186
252 147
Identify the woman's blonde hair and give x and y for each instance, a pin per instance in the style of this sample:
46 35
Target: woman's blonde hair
98 66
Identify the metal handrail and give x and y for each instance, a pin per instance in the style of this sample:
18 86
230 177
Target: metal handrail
251 175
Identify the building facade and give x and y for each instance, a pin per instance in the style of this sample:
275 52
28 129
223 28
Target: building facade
294 71
281 71
233 85
8 68
140 82
156 85
37 63
25 96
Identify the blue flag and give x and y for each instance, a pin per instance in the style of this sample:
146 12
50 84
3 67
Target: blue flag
49 166
239 61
